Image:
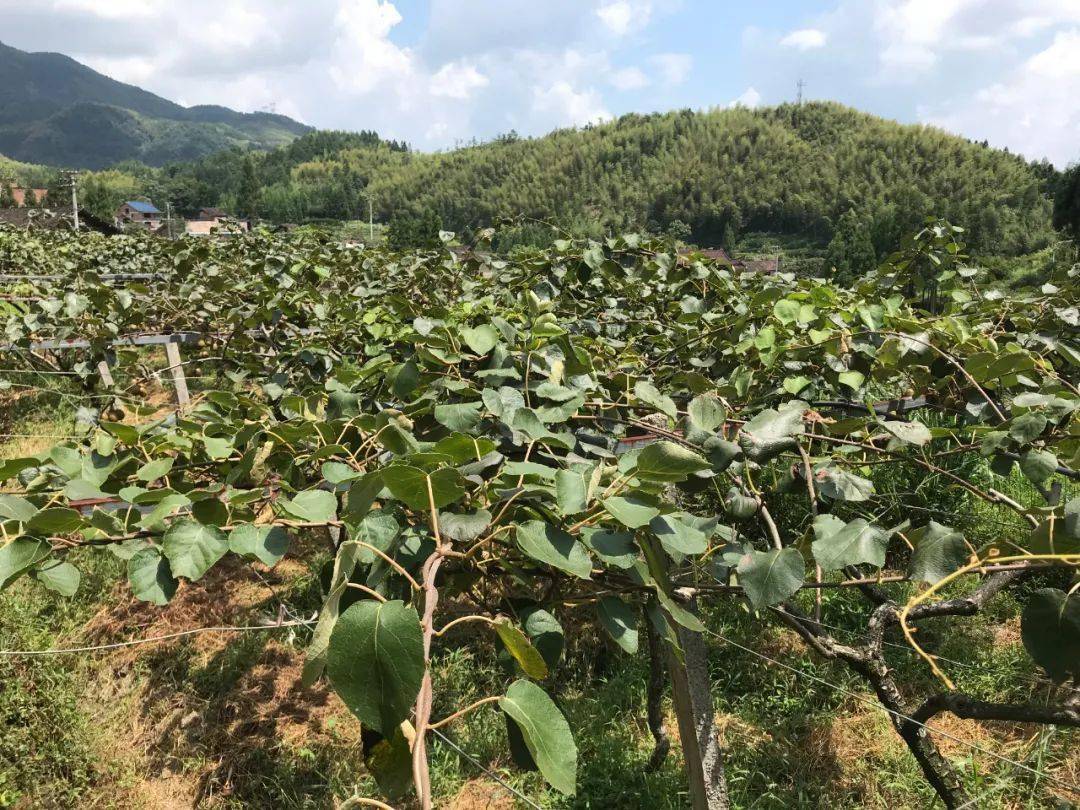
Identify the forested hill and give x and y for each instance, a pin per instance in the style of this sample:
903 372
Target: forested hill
786 169
56 111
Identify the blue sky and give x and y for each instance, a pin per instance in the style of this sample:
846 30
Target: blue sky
442 72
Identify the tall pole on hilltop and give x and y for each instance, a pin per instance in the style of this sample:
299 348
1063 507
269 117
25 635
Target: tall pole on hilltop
801 85
168 218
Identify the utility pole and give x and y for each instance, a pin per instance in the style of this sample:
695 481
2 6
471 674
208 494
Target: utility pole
370 215
801 85
168 219
73 178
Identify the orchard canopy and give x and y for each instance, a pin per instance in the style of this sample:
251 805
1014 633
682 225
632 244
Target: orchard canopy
603 432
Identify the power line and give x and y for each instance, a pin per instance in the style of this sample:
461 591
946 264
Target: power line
867 701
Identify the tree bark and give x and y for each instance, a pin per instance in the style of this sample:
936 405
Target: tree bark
654 706
692 696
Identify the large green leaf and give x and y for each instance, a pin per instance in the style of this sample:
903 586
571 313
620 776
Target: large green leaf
551 545
151 577
650 395
61 577
678 535
839 544
53 521
12 507
939 551
573 489
410 485
19 556
771 433
376 662
546 732
311 506
620 620
464 527
614 548
267 544
1050 630
632 511
770 577
193 548
669 462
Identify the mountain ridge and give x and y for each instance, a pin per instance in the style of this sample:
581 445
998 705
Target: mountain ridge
55 110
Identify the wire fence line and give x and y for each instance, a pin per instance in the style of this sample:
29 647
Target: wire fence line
155 639
875 704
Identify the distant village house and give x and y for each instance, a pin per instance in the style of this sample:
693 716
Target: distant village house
208 219
141 214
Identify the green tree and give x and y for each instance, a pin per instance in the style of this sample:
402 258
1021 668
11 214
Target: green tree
851 252
408 231
1067 201
7 197
248 195
31 199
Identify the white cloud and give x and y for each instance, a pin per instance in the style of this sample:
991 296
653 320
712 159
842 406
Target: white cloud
630 78
1036 109
457 80
805 39
568 106
623 16
674 68
749 98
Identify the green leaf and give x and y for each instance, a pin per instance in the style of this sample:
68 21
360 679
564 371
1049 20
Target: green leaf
620 620
1027 427
840 485
462 418
771 433
410 486
464 527
786 311
553 546
614 548
518 645
545 632
915 433
793 385
1038 465
55 520
376 662
19 556
852 379
153 470
481 339
705 413
770 577
193 548
546 732
1050 630
267 544
632 511
651 396
61 577
669 462
151 577
311 506
1058 534
572 489
12 507
389 761
677 536
839 544
939 551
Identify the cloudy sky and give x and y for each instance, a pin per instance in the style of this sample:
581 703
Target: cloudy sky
439 72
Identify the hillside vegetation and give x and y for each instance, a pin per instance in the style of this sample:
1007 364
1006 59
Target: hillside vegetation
56 111
784 170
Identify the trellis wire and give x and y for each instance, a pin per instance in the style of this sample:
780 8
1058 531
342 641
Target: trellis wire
874 704
153 639
486 771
